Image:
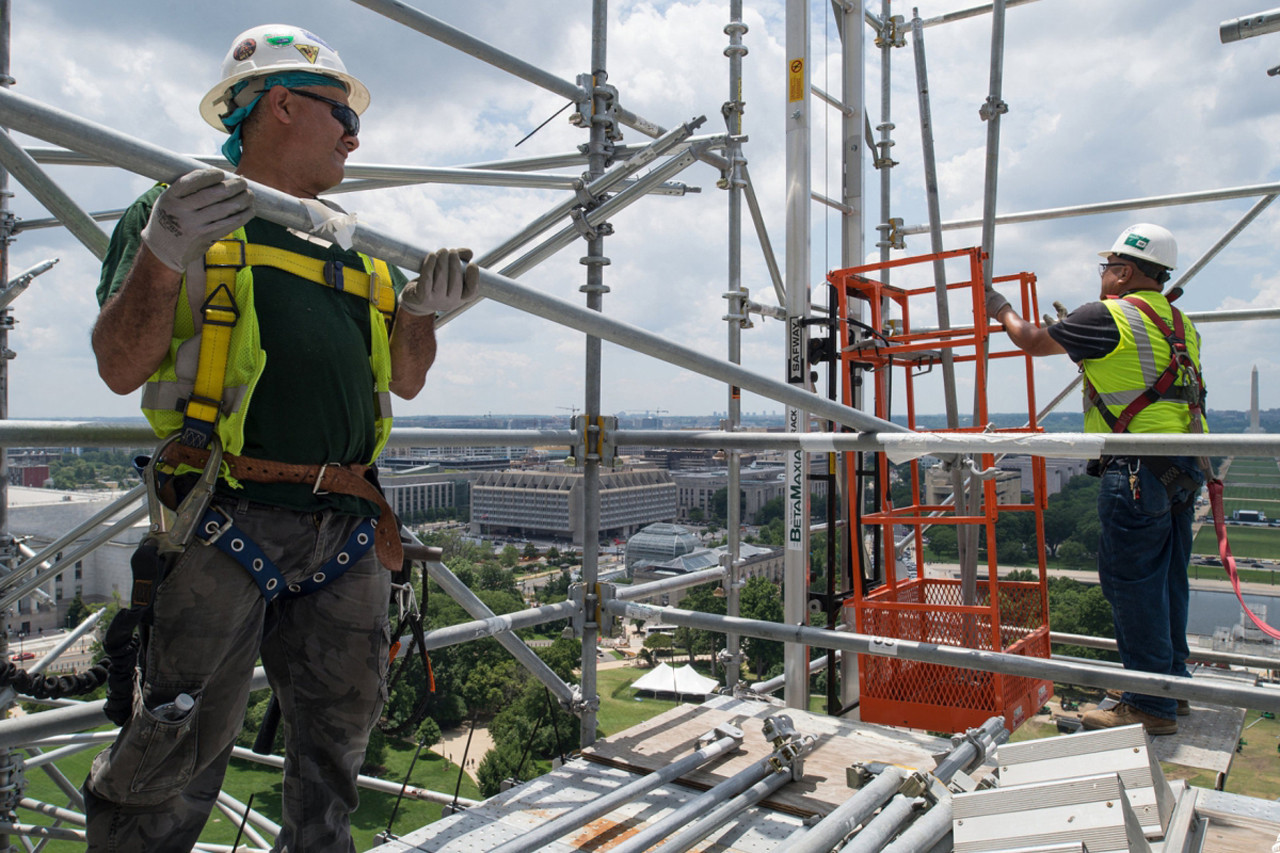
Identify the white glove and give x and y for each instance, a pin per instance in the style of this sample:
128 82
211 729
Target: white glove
446 281
200 207
1062 315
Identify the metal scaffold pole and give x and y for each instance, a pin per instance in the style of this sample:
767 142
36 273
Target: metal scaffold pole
595 261
853 153
10 769
795 605
736 319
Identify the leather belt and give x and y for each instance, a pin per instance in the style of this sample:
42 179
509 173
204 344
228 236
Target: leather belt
335 478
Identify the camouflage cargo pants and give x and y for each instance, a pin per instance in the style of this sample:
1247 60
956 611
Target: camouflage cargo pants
326 658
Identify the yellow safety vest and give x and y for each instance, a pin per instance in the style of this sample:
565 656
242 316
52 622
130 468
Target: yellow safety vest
215 357
1124 375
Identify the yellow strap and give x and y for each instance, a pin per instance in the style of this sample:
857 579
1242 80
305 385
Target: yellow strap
376 287
220 316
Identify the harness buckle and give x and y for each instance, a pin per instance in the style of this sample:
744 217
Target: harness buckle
222 528
315 489
226 245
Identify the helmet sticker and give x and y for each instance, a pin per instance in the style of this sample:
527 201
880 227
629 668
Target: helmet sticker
1137 241
310 51
278 40
244 50
315 38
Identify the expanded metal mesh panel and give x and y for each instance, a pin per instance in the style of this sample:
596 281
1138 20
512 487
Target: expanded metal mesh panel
942 698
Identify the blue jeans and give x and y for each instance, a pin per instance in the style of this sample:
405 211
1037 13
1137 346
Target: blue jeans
1143 551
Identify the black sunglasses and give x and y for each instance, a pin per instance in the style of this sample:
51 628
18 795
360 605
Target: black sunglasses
346 116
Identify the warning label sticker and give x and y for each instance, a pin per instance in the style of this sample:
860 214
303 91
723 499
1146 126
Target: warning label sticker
795 80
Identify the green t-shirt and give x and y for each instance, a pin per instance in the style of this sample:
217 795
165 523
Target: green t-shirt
315 400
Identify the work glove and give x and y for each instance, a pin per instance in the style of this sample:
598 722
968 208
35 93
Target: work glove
995 304
200 207
446 281
1062 315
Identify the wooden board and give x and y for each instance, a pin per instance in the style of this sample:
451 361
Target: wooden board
674 734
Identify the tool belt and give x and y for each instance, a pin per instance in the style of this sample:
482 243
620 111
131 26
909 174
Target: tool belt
332 478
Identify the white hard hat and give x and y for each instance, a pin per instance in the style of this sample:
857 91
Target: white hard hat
262 50
1146 242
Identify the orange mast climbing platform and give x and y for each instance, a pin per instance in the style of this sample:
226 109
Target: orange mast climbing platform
1001 615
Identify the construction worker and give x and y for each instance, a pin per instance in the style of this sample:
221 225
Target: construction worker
1141 364
288 560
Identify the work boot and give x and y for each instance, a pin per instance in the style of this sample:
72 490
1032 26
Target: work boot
1184 707
1125 714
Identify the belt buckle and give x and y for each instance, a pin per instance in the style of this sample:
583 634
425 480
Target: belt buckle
243 255
315 488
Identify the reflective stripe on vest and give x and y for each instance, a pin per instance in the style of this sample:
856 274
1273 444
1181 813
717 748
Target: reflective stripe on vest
1135 365
196 386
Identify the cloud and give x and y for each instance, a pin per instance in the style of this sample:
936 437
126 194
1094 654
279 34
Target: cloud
1106 101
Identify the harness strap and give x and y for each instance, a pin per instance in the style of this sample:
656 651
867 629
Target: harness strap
224 259
221 532
375 287
335 478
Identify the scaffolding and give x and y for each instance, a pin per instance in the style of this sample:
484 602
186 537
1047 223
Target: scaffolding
616 178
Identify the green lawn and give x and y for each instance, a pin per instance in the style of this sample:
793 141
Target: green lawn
619 708
1250 492
1270 506
244 778
1251 542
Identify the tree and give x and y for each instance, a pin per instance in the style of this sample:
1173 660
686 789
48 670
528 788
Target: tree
497 579
530 551
761 599
553 553
697 516
429 733
942 541
657 644
719 508
771 510
510 556
77 611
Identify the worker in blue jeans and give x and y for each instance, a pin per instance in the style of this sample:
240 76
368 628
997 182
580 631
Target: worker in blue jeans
1141 361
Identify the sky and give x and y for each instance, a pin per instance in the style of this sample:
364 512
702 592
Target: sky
1107 100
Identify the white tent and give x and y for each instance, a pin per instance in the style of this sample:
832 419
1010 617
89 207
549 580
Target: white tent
666 679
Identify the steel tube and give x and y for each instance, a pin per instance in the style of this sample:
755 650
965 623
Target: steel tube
1197 654
959 657
876 834
526 656
495 625
1122 205
435 28
256 818
925 831
695 833
1236 316
1252 214
369 782
1063 444
594 189
55 200
17 591
648 590
50 810
827 833
731 787
7 694
816 665
735 319
543 835
570 234
961 14
762 235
